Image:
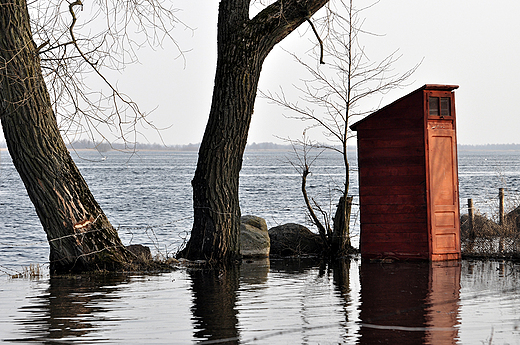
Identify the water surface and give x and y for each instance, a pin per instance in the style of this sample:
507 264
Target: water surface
148 198
275 302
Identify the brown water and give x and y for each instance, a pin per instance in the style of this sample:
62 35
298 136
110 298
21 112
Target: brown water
277 302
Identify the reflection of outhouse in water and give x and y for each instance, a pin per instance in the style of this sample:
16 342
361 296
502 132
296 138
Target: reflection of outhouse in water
408 181
410 303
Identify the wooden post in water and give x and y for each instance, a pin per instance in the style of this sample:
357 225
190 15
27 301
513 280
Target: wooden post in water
471 229
501 218
471 219
501 206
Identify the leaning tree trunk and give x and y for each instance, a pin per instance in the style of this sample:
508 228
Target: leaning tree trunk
243 44
80 236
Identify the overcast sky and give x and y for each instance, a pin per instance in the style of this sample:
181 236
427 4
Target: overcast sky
473 44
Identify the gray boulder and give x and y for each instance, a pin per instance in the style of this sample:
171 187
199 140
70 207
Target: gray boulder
254 237
294 239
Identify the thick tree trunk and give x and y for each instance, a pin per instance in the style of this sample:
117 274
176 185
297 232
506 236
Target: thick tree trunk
80 235
243 44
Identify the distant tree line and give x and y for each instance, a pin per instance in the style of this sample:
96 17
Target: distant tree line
103 147
85 144
267 146
489 147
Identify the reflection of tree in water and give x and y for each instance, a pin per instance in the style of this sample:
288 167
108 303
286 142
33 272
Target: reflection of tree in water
214 299
401 303
297 265
66 309
341 274
302 306
341 269
215 292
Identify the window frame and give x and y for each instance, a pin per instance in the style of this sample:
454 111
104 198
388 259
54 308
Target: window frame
439 95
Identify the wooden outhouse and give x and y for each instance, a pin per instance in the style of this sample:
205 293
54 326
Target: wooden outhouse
408 180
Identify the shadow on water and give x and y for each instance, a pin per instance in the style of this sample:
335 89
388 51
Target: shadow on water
409 303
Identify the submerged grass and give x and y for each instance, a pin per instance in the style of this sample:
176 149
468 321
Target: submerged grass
33 271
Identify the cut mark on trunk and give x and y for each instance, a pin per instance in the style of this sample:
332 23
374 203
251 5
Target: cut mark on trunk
82 224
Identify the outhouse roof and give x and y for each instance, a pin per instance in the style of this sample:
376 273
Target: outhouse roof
436 87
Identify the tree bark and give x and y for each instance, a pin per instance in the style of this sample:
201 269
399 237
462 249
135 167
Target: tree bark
243 45
80 236
340 243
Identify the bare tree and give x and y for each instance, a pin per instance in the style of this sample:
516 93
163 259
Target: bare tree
80 236
243 43
79 46
331 97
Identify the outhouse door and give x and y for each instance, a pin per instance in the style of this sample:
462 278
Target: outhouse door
443 178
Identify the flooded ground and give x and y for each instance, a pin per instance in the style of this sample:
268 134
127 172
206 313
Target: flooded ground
277 302
148 199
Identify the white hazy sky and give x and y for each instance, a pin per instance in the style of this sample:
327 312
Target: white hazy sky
473 44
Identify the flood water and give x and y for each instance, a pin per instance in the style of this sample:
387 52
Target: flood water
148 197
275 302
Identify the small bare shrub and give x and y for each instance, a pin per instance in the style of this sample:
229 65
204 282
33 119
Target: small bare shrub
489 239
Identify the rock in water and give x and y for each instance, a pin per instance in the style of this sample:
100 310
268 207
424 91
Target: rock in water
294 239
254 237
141 252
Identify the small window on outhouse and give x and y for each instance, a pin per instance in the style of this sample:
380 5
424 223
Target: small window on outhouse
434 106
445 106
439 106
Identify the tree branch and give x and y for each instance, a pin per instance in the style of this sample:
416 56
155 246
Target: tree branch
115 92
319 39
282 17
321 229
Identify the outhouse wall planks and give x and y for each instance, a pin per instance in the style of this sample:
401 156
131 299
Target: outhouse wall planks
408 181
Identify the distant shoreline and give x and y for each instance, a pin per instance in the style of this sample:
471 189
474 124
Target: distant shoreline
254 147
489 148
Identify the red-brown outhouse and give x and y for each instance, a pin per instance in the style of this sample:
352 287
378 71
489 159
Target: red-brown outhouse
408 180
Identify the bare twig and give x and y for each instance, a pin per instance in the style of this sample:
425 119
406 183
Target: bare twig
319 39
332 96
73 47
